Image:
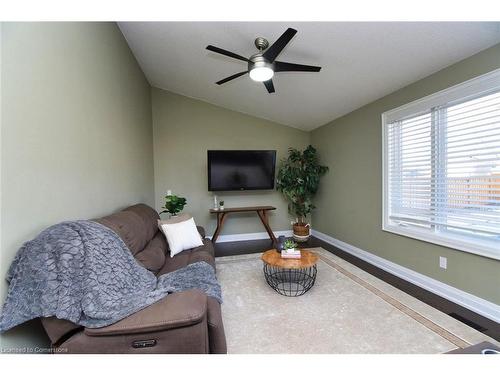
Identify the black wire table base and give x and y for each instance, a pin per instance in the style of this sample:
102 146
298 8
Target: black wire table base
288 281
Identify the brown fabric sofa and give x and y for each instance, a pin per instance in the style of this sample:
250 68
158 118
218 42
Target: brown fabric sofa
186 322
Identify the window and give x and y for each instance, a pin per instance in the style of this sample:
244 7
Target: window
442 167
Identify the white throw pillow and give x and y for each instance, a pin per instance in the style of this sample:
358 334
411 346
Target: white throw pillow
181 236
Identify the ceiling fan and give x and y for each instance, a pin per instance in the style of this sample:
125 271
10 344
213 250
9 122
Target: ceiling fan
263 65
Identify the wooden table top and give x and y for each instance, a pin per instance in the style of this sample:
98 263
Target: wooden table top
243 209
273 258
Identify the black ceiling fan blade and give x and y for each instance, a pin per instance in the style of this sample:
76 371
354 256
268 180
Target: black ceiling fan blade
227 79
226 53
280 66
269 86
273 51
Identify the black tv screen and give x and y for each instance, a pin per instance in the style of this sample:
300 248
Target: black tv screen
241 170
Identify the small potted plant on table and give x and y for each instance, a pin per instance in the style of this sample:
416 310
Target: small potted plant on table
298 180
290 246
290 250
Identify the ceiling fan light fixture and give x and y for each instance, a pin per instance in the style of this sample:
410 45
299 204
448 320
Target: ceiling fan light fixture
262 65
261 73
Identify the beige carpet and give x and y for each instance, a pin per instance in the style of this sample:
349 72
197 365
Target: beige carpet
347 311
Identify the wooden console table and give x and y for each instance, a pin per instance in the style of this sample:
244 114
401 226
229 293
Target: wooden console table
260 210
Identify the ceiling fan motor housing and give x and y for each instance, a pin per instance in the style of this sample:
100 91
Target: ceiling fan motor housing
258 61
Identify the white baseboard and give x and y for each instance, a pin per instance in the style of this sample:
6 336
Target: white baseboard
251 236
479 305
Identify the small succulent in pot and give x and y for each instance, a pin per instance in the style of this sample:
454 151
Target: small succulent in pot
173 204
289 245
221 205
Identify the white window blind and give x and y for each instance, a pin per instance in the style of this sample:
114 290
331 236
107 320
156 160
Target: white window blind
442 173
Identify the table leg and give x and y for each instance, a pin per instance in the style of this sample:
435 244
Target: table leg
221 216
263 217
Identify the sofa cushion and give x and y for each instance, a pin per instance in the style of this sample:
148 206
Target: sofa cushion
208 246
149 217
130 227
57 328
154 254
172 264
176 310
200 253
136 226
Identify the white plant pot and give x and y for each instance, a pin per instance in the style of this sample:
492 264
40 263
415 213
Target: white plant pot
298 238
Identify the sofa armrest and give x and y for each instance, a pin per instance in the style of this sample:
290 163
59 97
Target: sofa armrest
201 231
173 311
216 327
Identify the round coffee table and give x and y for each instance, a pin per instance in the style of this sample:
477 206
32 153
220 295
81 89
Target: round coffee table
290 277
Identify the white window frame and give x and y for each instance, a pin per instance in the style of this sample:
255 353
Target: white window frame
478 86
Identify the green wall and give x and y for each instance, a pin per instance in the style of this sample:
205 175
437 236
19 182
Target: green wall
184 129
350 198
76 135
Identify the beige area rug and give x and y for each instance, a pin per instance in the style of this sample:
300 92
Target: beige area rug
346 311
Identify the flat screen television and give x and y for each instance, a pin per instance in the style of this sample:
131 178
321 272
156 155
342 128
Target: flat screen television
241 170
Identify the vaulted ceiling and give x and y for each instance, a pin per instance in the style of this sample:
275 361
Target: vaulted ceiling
361 62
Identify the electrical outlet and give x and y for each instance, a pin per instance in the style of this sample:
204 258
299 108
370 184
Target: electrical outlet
443 262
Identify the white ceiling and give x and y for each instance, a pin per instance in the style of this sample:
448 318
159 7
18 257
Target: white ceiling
361 62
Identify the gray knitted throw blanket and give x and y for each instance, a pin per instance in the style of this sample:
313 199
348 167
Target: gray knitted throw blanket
83 272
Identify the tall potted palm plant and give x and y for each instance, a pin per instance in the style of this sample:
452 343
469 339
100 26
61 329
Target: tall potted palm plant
298 180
